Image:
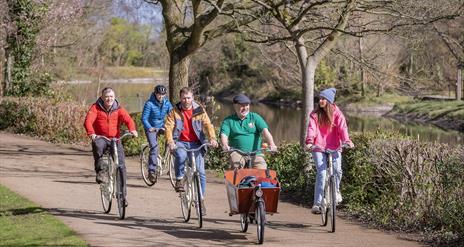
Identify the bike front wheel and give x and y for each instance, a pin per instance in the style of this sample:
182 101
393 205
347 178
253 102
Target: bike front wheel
198 200
169 161
324 204
244 222
333 204
120 194
260 216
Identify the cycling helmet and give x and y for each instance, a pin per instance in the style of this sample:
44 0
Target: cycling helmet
160 89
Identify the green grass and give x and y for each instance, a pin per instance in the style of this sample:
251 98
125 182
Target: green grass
372 100
433 109
23 223
133 72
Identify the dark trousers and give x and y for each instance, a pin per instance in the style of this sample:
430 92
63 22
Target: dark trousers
98 149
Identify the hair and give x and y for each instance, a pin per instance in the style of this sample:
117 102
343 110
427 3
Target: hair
325 114
106 90
185 90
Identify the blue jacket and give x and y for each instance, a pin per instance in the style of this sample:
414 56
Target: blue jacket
154 112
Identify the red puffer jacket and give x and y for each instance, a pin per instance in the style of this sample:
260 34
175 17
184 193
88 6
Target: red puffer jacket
99 121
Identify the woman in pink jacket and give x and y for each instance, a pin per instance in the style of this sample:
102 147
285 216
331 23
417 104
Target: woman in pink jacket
327 130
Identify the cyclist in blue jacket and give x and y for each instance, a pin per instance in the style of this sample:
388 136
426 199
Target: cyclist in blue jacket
154 112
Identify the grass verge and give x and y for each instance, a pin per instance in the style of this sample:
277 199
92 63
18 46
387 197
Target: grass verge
23 223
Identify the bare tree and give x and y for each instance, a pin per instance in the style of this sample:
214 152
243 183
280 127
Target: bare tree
314 27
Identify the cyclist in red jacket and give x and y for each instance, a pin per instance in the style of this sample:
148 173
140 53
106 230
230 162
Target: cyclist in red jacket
105 118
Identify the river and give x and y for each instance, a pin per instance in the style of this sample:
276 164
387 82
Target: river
283 122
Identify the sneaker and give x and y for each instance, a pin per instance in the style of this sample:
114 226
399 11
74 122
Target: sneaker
316 209
179 185
152 176
101 177
339 198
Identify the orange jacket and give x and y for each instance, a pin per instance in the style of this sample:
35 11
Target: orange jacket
99 121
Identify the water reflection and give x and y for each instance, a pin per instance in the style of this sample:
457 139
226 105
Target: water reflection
283 122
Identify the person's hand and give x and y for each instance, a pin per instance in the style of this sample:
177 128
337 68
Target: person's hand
308 147
92 137
134 133
151 129
172 146
348 144
273 148
214 143
225 147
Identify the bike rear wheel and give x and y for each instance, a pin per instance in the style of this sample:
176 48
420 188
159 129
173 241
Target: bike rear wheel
197 200
144 156
186 201
260 220
120 194
333 204
106 189
324 203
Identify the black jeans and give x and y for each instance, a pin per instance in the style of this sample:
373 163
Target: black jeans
98 149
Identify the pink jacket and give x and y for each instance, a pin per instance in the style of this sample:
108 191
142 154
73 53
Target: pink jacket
325 137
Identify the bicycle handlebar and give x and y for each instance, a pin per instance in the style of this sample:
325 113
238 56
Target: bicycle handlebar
196 149
249 154
317 148
114 138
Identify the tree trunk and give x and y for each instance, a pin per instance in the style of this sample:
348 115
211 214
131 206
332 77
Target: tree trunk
459 84
178 75
307 69
2 72
363 85
9 65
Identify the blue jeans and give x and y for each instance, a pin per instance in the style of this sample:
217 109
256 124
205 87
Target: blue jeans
181 157
320 159
152 138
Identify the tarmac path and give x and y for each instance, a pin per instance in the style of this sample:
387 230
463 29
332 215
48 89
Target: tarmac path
60 178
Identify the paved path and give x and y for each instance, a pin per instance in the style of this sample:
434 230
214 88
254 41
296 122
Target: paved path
60 178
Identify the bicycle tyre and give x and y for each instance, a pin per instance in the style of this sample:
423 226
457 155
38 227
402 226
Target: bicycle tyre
333 204
244 222
325 201
260 220
197 200
169 159
120 194
186 201
106 190
144 156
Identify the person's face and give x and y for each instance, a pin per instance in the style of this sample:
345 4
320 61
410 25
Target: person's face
108 98
186 100
322 102
242 109
159 97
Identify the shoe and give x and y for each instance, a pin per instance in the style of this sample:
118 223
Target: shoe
203 208
152 176
101 177
316 209
339 197
179 185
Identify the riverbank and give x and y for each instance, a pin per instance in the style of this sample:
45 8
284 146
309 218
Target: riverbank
444 114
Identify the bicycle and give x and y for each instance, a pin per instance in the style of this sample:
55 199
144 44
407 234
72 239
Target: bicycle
263 200
115 178
192 187
329 196
165 163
